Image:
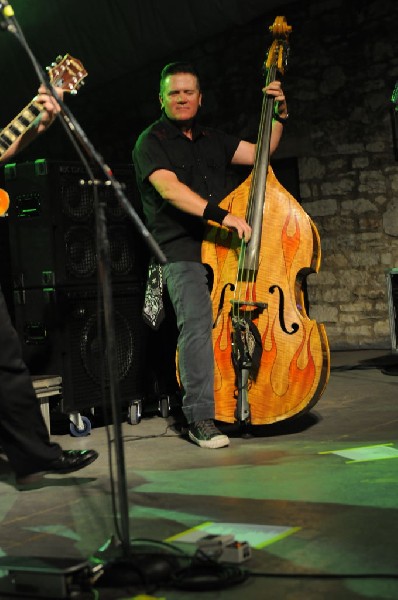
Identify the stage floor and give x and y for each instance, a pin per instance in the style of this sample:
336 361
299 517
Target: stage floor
316 498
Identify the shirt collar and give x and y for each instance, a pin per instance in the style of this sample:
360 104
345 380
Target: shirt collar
174 131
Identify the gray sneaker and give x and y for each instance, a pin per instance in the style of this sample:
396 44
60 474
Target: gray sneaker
206 435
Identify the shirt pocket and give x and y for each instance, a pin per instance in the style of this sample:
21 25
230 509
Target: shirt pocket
184 169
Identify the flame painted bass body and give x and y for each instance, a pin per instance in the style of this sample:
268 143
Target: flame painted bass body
271 360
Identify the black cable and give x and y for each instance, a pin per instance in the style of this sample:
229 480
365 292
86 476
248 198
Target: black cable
324 575
159 543
355 368
207 575
138 438
135 438
201 572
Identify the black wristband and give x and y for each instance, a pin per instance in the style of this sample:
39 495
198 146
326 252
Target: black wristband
280 119
212 212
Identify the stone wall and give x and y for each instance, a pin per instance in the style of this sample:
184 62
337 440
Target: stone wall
342 125
342 70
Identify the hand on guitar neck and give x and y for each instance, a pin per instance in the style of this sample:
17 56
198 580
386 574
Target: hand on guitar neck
50 108
33 120
47 110
66 75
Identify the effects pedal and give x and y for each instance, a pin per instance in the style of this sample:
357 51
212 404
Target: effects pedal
214 542
224 548
236 552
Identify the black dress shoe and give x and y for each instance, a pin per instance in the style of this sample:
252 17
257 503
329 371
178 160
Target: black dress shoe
68 462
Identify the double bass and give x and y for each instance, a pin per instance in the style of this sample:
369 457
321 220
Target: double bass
272 361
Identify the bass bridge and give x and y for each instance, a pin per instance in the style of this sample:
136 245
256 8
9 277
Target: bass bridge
246 350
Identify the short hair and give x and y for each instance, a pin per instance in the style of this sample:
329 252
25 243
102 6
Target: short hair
178 67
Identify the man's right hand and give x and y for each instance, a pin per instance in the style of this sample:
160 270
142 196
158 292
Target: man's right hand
242 228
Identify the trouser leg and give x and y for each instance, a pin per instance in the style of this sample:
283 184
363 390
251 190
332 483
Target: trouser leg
189 294
23 433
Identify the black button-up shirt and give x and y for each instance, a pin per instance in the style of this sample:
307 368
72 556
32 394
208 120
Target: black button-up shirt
200 163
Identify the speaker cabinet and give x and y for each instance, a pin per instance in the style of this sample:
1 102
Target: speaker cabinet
52 225
62 332
392 297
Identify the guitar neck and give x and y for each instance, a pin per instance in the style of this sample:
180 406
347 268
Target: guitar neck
66 73
19 125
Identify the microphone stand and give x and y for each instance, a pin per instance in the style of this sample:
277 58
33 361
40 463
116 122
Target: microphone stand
84 147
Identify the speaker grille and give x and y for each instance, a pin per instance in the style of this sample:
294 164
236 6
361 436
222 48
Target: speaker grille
76 200
52 225
122 259
62 333
90 347
80 255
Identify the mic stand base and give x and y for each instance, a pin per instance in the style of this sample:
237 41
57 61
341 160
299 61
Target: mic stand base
144 568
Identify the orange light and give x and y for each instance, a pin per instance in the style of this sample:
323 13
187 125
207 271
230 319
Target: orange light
4 202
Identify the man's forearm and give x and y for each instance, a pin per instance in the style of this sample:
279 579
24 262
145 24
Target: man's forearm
19 144
178 194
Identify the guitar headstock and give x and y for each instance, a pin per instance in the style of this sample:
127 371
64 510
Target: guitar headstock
67 73
279 50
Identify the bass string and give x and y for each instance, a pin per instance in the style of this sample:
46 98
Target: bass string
244 288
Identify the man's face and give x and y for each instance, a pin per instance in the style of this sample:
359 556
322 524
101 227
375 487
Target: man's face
180 96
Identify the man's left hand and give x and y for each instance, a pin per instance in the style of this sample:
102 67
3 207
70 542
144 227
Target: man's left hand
51 108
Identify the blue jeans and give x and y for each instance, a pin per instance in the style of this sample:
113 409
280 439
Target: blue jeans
189 293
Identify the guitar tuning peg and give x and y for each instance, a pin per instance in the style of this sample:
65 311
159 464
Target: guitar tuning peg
58 59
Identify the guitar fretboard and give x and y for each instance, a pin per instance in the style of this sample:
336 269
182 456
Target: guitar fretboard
19 125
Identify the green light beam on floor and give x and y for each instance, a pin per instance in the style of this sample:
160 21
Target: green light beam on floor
297 481
366 453
59 530
184 518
